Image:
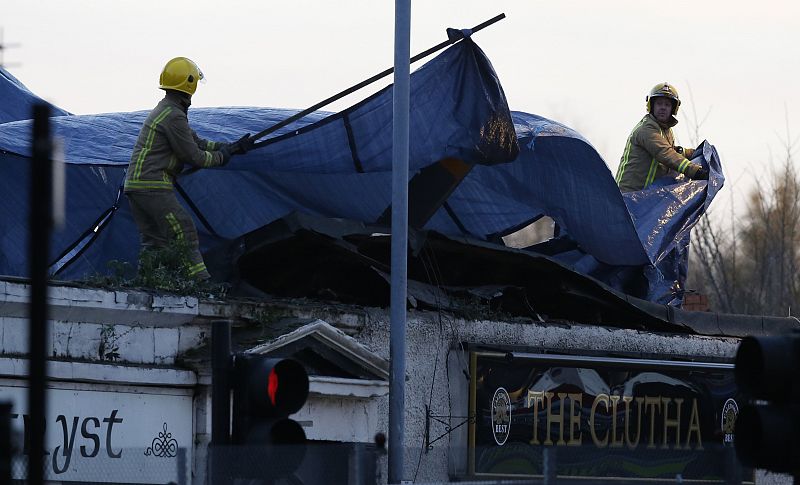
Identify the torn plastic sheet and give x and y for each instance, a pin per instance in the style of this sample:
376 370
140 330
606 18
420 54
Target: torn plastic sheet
332 165
663 215
522 166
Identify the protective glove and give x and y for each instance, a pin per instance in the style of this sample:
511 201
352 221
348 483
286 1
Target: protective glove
226 154
701 174
692 169
242 145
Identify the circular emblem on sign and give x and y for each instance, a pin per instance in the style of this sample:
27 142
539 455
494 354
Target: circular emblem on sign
730 410
501 415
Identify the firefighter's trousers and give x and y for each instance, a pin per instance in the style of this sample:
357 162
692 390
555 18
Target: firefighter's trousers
161 219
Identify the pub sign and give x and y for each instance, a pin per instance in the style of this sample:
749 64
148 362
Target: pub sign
600 417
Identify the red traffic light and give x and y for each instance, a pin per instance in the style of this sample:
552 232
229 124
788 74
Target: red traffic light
272 387
265 392
284 380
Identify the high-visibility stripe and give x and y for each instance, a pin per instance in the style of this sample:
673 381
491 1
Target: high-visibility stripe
683 165
148 184
651 174
179 235
627 153
149 143
209 159
176 226
194 269
625 156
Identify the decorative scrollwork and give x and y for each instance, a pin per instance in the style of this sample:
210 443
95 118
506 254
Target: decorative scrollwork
444 421
164 445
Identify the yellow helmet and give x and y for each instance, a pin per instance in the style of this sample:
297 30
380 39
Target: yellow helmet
665 90
180 74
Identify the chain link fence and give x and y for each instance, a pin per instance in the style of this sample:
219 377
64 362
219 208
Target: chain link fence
313 463
80 465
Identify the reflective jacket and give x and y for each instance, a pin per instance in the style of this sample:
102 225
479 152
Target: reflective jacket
165 143
651 153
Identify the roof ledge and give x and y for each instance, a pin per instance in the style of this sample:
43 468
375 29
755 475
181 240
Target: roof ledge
342 387
324 334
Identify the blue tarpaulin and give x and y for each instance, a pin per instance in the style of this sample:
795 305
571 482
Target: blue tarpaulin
17 100
339 166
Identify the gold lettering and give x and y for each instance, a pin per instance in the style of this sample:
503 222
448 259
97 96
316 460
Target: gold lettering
672 423
551 418
615 443
627 400
534 398
601 398
575 419
694 425
654 403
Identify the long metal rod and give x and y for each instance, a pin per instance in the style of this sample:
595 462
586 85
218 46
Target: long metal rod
39 248
400 144
366 82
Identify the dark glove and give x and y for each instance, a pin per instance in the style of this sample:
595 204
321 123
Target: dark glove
701 174
242 145
226 154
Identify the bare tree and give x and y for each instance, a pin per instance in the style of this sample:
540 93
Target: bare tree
751 266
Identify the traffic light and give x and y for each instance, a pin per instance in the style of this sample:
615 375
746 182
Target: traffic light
265 392
768 427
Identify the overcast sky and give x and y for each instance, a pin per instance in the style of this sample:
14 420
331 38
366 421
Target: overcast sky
588 64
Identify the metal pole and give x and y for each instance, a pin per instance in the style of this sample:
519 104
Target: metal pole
182 466
397 344
220 398
39 248
550 465
6 451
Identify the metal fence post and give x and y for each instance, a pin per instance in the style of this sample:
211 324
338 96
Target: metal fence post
5 442
550 459
182 467
40 222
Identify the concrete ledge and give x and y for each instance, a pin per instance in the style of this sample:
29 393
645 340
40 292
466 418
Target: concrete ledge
75 304
341 387
103 373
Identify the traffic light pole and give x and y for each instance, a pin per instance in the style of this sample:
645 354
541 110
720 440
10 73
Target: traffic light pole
397 344
220 397
220 383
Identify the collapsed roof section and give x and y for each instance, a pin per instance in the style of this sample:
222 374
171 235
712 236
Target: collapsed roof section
476 170
347 261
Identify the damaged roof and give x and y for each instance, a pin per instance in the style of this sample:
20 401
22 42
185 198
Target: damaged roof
348 261
477 170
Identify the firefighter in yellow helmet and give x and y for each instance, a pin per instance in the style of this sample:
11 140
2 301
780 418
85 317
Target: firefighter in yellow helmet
165 144
651 151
